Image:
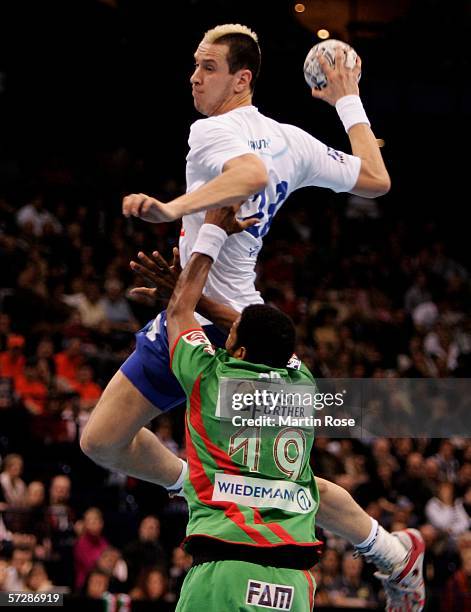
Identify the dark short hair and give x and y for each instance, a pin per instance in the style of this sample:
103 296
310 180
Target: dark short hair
267 334
244 52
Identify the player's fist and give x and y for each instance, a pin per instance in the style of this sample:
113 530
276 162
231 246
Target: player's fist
146 208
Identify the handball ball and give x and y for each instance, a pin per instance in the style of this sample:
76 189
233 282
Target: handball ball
313 72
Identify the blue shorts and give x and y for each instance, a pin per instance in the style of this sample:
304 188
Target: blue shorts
148 368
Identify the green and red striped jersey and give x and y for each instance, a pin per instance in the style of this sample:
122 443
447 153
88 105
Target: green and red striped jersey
245 485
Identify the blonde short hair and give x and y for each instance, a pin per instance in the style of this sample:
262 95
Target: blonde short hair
211 36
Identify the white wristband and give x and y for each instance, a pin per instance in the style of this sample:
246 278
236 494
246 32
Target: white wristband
350 110
178 484
210 240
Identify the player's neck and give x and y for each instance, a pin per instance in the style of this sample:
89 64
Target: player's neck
234 102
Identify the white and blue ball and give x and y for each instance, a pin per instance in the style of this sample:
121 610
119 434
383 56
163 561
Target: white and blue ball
313 72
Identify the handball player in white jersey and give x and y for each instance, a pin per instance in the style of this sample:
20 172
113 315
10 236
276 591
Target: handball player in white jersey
236 155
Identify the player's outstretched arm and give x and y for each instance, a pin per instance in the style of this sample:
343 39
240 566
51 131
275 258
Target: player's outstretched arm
189 288
241 177
342 92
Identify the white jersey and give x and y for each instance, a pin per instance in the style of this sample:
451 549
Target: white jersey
293 159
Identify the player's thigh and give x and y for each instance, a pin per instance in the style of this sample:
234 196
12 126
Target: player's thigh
245 587
119 414
148 367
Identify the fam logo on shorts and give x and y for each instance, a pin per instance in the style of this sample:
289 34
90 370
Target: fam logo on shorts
197 337
267 595
337 155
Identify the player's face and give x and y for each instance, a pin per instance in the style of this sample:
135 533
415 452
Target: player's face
213 86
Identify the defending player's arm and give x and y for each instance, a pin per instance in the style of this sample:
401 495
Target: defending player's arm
189 288
164 277
342 92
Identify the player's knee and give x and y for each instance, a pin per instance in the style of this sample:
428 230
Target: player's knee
91 444
97 441
99 449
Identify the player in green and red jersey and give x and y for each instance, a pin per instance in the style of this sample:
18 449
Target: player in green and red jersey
251 529
398 556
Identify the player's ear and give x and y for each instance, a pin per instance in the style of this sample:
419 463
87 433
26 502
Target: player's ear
240 352
244 77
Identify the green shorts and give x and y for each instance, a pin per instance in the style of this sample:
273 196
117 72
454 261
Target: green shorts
237 586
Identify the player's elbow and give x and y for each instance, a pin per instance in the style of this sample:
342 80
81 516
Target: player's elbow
257 179
383 185
373 185
379 188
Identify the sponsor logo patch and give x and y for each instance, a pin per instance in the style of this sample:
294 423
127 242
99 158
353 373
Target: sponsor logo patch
294 362
267 595
197 337
262 493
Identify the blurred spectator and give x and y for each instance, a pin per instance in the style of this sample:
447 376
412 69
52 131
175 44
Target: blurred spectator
351 590
111 563
13 487
412 483
31 518
46 362
146 550
164 431
327 465
151 585
447 462
3 575
96 584
457 594
20 565
30 388
89 545
85 386
179 568
330 565
69 360
425 315
447 513
463 481
12 361
381 451
60 524
432 474
418 293
321 596
118 313
89 305
439 344
5 331
440 561
37 580
35 220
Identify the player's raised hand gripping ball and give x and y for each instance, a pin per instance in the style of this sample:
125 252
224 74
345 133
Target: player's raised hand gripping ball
313 73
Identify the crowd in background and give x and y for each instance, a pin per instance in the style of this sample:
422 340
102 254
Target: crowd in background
370 297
